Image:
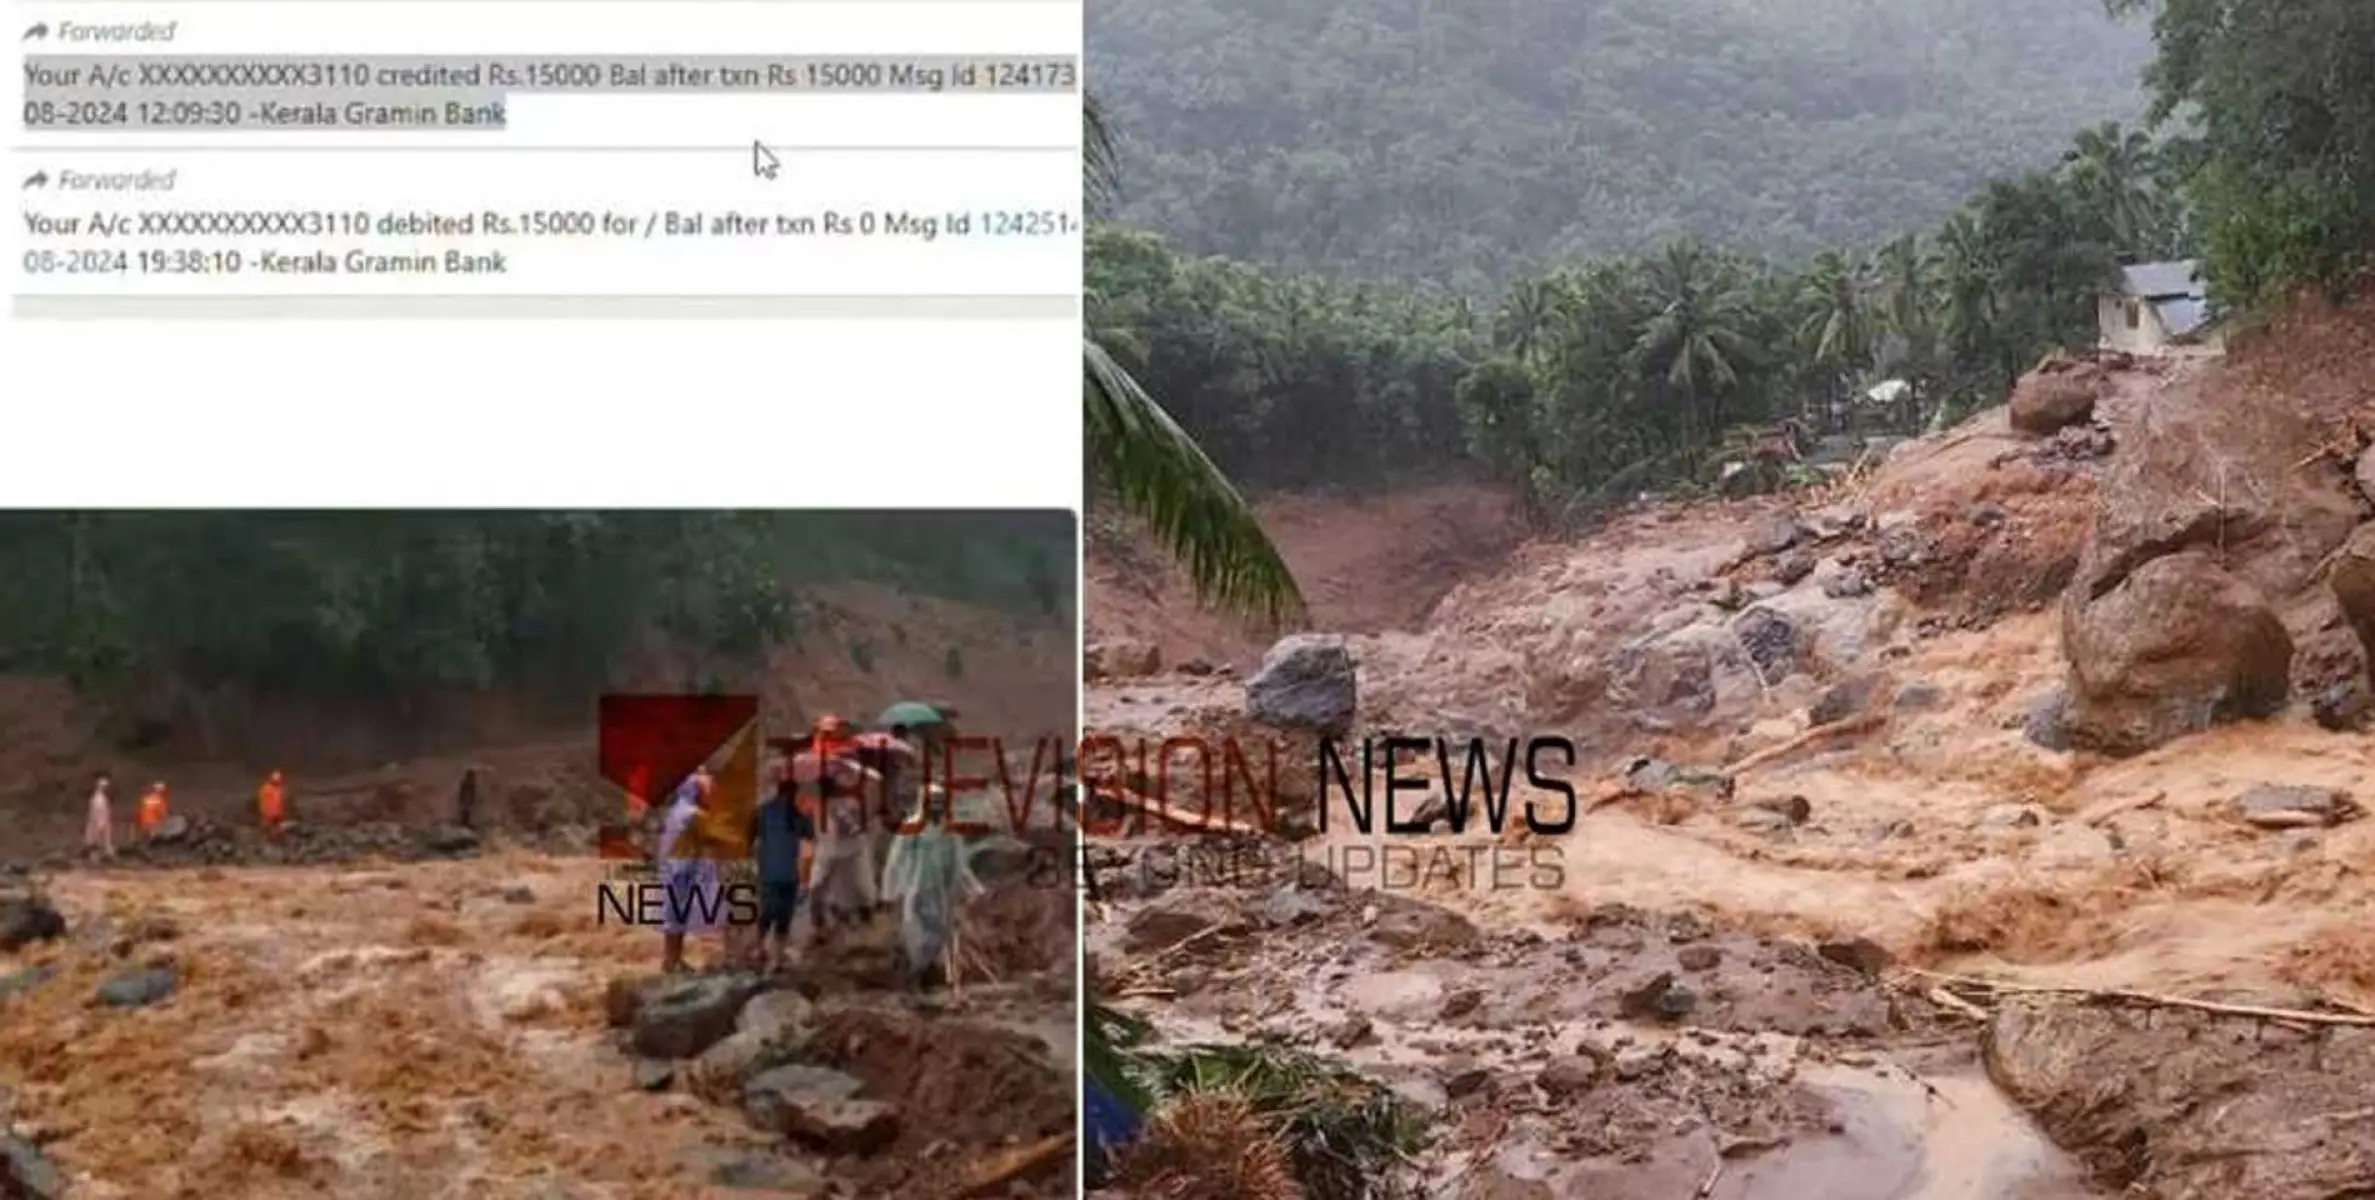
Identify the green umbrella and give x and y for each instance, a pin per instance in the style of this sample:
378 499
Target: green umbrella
914 714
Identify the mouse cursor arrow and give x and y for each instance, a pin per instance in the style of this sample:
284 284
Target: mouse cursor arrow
763 162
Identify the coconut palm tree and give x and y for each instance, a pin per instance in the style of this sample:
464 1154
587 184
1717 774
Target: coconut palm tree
1155 469
1693 348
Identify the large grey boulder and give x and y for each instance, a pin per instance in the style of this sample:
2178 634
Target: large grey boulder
1306 682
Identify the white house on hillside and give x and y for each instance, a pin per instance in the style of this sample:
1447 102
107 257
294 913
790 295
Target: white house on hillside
2159 308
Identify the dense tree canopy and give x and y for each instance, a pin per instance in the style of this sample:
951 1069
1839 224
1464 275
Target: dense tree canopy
1630 371
2283 104
1468 142
388 602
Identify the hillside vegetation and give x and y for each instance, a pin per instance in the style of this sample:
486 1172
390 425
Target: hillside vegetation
1466 141
383 604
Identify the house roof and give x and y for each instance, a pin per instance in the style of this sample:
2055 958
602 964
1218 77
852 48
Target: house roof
2163 280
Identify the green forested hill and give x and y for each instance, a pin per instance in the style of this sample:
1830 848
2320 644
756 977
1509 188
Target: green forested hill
1466 141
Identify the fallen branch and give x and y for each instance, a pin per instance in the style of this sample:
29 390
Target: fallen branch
2120 808
1149 806
1819 734
994 1175
1946 999
2152 999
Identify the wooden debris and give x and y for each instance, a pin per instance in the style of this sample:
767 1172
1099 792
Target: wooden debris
1816 736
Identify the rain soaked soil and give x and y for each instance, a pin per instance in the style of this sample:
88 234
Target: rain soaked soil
436 1029
1939 833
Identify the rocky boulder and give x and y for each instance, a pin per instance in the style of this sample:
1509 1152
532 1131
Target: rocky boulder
2352 581
1121 658
139 989
819 1107
2190 1106
2178 646
25 920
1306 682
2062 391
25 1173
685 1017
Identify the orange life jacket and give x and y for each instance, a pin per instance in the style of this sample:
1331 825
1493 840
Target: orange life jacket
152 811
271 802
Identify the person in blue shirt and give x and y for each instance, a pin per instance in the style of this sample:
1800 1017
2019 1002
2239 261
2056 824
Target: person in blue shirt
778 828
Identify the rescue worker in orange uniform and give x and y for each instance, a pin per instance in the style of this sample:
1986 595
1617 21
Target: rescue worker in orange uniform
272 804
152 810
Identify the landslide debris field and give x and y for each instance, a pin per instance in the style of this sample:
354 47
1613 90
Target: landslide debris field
388 1005
1983 825
464 1028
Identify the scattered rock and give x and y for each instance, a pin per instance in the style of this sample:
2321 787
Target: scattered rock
2280 806
768 1173
654 1075
1986 514
1640 1062
2176 647
2343 707
1419 927
1847 583
1461 1003
820 1107
1792 567
1306 682
171 831
1355 1031
1467 1082
1772 642
450 840
1773 535
1859 953
776 1014
27 1174
25 980
519 894
2364 473
2009 816
1847 698
1162 926
685 1017
625 996
139 989
1920 696
1568 1075
1658 996
25 920
1293 906
719 1074
2046 720
1758 819
1699 958
1121 658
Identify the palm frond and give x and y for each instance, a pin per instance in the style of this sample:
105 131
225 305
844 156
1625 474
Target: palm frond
1162 477
1100 160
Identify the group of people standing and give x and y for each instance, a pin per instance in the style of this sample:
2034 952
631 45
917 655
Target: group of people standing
98 835
831 838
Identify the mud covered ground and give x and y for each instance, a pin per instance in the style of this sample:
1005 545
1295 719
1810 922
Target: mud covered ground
1939 815
437 1028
